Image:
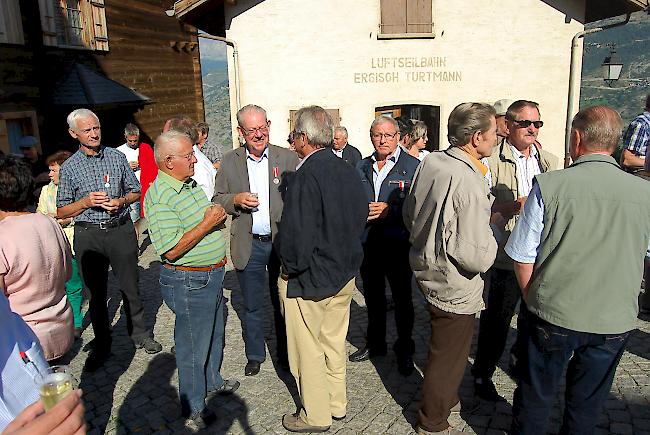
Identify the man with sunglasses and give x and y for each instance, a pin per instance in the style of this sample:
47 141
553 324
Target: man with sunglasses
250 186
513 165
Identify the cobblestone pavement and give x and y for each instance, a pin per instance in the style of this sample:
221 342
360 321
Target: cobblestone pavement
137 393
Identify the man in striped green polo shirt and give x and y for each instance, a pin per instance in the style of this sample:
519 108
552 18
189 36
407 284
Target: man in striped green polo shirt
185 230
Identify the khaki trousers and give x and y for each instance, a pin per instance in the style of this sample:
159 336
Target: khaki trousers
316 332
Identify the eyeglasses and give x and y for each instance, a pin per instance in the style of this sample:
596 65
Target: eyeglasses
385 136
524 123
186 156
251 131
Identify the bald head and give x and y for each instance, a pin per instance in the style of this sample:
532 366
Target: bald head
169 143
599 128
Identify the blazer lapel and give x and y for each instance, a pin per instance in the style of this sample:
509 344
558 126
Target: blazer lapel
243 168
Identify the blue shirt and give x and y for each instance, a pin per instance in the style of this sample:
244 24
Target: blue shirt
19 377
258 180
108 171
524 242
637 135
378 176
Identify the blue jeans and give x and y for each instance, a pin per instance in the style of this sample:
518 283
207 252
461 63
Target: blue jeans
251 281
547 350
197 300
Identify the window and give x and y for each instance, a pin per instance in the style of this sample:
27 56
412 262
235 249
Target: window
74 23
11 23
406 19
333 113
14 126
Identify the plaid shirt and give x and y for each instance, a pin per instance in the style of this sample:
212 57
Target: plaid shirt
637 135
108 171
212 151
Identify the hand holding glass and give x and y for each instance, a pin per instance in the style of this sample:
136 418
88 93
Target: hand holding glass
55 385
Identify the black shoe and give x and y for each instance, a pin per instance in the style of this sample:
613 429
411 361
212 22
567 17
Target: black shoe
485 389
366 353
200 420
149 344
405 365
173 350
335 418
96 359
252 368
227 388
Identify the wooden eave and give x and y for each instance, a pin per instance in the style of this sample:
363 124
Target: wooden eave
597 10
207 15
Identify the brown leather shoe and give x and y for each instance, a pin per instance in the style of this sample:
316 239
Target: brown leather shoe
293 423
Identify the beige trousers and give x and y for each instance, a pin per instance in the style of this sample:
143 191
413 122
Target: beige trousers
316 332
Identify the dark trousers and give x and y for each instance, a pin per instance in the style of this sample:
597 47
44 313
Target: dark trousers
95 250
251 281
451 338
503 296
385 259
548 349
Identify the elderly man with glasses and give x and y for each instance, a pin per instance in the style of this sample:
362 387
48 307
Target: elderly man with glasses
386 177
513 165
250 187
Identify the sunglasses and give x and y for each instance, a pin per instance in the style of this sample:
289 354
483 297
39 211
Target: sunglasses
524 123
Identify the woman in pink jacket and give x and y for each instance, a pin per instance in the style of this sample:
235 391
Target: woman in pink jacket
34 262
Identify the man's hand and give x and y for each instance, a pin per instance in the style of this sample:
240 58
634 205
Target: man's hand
216 165
377 210
112 205
245 201
134 165
214 215
96 199
66 417
519 203
64 222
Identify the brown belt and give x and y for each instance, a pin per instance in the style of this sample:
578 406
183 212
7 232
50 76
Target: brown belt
198 268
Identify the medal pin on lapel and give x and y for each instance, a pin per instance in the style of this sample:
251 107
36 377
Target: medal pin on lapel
276 173
107 183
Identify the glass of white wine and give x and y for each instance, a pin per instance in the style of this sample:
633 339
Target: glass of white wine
55 385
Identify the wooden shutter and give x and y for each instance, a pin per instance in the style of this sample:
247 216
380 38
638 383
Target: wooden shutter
11 22
48 23
418 14
393 16
99 32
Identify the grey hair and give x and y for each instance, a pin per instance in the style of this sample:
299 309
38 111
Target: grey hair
249 108
382 119
466 119
341 129
131 130
600 127
419 131
166 141
316 124
79 114
515 107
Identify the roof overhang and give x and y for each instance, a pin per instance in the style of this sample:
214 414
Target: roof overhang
206 15
597 10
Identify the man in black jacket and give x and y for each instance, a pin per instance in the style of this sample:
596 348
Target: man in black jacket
341 148
320 250
386 176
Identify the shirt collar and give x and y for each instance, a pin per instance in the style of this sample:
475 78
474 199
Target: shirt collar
99 155
393 157
175 184
518 154
264 154
478 164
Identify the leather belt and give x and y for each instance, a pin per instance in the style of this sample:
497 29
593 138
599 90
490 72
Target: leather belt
197 268
105 224
262 237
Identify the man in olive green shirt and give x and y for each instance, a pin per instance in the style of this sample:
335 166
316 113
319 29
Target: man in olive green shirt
578 249
185 230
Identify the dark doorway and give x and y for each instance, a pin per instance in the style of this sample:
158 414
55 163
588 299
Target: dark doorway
430 115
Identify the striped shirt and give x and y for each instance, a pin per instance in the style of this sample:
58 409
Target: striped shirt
637 135
173 208
108 171
527 168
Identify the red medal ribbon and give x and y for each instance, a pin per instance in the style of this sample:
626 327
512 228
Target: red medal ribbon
401 185
276 171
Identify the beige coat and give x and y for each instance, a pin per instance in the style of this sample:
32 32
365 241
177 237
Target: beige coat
232 179
448 215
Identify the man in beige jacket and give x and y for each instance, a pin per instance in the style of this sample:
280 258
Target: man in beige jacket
448 215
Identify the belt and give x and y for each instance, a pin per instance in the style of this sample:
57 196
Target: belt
197 268
262 237
105 224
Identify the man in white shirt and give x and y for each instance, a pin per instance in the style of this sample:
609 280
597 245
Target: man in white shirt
131 149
